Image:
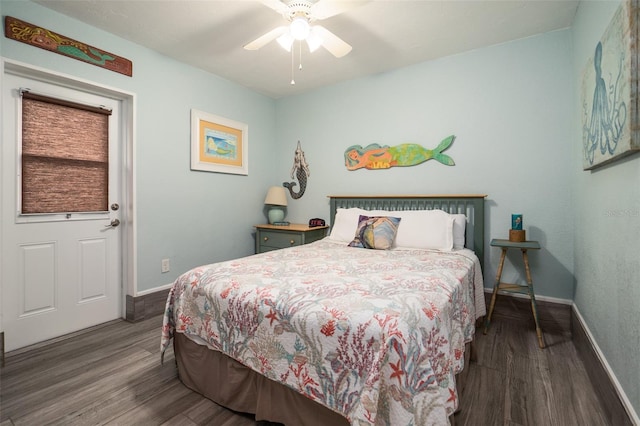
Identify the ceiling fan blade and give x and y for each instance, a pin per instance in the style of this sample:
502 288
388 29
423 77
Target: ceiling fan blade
276 5
332 42
266 38
324 9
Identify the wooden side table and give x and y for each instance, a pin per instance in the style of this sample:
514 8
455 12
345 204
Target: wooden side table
274 237
523 246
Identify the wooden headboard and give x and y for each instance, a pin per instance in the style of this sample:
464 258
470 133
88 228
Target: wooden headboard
472 206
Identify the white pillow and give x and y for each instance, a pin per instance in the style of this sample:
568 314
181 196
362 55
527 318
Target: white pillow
422 229
459 230
425 229
345 224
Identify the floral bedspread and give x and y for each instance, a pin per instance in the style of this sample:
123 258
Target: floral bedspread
376 335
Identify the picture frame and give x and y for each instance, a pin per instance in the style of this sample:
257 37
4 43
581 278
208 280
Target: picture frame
609 91
219 144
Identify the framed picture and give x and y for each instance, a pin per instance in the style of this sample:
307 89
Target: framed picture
218 144
610 120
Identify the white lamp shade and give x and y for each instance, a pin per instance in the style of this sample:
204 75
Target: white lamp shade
286 41
313 40
276 196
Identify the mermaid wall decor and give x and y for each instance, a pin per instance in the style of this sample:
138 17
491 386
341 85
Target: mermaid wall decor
376 157
299 170
608 100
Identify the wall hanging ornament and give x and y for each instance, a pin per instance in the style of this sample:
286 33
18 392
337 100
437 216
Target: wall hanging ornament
45 39
375 157
301 171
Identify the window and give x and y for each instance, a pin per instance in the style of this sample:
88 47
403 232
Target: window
65 156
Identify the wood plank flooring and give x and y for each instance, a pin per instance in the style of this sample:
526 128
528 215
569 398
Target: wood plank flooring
111 375
514 382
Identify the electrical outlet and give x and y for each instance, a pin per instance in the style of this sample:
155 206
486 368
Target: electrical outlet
165 265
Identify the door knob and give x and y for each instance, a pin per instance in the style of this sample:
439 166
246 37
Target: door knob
113 224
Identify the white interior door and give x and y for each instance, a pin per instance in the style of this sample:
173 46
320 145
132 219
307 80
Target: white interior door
60 272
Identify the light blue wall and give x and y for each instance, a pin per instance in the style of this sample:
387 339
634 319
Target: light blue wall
606 230
189 217
513 107
510 107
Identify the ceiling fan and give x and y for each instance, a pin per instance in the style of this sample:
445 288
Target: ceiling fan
300 14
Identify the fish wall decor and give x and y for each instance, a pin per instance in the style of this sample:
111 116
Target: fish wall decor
301 171
375 156
43 38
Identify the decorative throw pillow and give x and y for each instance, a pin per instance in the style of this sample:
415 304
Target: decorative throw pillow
376 232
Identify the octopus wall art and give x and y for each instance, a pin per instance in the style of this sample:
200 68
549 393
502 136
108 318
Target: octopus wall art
608 94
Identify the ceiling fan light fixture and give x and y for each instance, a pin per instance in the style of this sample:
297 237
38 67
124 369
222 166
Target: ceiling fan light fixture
313 41
286 41
300 14
299 28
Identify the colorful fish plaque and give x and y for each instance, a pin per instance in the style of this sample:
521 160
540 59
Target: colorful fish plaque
40 37
374 156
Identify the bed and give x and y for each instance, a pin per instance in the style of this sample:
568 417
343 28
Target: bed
331 334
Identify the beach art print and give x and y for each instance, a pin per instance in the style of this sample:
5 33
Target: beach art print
610 122
218 144
376 157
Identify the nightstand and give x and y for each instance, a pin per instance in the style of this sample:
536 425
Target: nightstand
523 246
274 237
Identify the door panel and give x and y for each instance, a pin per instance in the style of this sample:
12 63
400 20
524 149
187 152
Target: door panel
60 272
93 275
37 278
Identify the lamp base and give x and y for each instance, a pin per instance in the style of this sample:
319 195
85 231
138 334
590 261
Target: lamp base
275 214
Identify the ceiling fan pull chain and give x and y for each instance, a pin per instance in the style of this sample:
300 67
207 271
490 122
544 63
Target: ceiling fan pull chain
293 82
300 52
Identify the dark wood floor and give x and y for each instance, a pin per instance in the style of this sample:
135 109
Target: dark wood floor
514 382
111 374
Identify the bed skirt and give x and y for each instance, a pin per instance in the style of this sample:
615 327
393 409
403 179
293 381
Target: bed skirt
234 386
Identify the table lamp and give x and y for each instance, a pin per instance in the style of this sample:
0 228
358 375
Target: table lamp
276 200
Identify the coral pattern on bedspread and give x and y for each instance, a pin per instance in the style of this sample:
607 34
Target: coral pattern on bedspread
376 335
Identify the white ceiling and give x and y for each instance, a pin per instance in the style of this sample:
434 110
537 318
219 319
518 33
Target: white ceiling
385 34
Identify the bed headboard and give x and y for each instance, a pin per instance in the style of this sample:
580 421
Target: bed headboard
471 206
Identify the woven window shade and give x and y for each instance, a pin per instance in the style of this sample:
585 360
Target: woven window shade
65 156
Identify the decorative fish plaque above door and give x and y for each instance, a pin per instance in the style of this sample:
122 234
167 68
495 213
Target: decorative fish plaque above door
43 38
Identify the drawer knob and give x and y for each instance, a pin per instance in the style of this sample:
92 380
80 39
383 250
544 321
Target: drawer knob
292 242
265 239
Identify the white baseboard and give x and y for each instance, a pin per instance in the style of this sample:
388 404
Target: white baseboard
525 296
616 384
153 290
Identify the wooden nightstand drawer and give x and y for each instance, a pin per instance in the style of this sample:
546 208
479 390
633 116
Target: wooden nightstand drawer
278 240
271 237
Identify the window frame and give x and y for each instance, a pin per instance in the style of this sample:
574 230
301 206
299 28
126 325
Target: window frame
49 217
